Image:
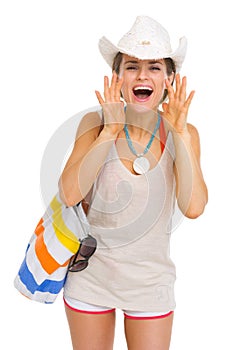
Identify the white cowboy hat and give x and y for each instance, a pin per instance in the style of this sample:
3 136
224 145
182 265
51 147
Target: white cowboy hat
147 39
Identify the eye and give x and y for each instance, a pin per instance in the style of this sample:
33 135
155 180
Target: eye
131 68
155 68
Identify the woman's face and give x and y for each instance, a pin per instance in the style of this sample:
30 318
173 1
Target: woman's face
144 81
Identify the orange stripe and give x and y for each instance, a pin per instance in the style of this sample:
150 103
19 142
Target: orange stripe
39 229
48 263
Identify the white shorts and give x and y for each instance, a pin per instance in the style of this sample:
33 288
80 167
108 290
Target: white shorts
80 306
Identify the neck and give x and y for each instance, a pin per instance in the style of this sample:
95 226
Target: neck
140 120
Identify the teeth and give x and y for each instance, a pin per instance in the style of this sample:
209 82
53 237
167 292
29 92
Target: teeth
143 88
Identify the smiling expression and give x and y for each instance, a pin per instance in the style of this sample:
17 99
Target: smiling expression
144 81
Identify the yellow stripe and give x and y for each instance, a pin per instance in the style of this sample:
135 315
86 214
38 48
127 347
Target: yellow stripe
64 235
67 242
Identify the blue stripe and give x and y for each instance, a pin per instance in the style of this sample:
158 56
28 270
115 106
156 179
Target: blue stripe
28 280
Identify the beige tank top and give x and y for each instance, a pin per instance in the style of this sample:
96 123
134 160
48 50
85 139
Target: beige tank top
130 216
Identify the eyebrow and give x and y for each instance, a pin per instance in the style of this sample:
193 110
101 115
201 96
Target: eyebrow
155 61
135 62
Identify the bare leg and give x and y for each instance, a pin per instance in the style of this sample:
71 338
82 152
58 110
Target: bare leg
149 334
91 332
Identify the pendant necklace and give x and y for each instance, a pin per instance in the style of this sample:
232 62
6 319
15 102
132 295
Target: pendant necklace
141 164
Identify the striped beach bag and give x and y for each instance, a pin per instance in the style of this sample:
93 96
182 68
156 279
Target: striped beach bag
55 240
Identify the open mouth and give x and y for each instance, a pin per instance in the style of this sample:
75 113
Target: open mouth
142 92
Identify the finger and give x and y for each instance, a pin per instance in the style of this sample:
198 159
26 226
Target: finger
177 90
113 86
189 99
118 89
183 89
170 90
165 106
99 97
106 89
114 78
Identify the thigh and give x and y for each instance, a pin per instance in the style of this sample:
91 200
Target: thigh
91 331
151 334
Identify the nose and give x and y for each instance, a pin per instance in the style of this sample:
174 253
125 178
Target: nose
142 73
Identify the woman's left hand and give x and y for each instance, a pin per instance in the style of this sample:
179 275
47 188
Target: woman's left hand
175 111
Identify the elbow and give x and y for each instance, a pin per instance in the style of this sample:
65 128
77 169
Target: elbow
67 196
195 210
68 201
194 213
195 206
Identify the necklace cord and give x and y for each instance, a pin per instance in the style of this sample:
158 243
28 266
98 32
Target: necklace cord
129 141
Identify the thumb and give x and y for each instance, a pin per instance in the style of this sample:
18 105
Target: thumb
165 106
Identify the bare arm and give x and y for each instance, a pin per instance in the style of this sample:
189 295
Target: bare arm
87 157
191 189
91 146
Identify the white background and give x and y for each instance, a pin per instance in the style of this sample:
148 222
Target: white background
49 68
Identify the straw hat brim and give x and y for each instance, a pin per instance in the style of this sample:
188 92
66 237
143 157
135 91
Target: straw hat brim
109 51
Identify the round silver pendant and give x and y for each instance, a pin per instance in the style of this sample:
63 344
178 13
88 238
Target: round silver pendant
141 165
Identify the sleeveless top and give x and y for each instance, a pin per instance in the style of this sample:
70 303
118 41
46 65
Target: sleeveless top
130 216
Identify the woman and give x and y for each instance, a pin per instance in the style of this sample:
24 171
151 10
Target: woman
129 166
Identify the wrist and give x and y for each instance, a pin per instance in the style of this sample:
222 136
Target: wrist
182 141
182 135
109 133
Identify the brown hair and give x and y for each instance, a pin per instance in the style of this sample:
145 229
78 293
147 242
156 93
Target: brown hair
170 66
117 62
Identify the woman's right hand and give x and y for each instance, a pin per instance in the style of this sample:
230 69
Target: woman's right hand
113 107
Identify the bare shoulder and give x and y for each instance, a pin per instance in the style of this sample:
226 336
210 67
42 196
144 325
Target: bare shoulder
193 132
90 124
87 132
